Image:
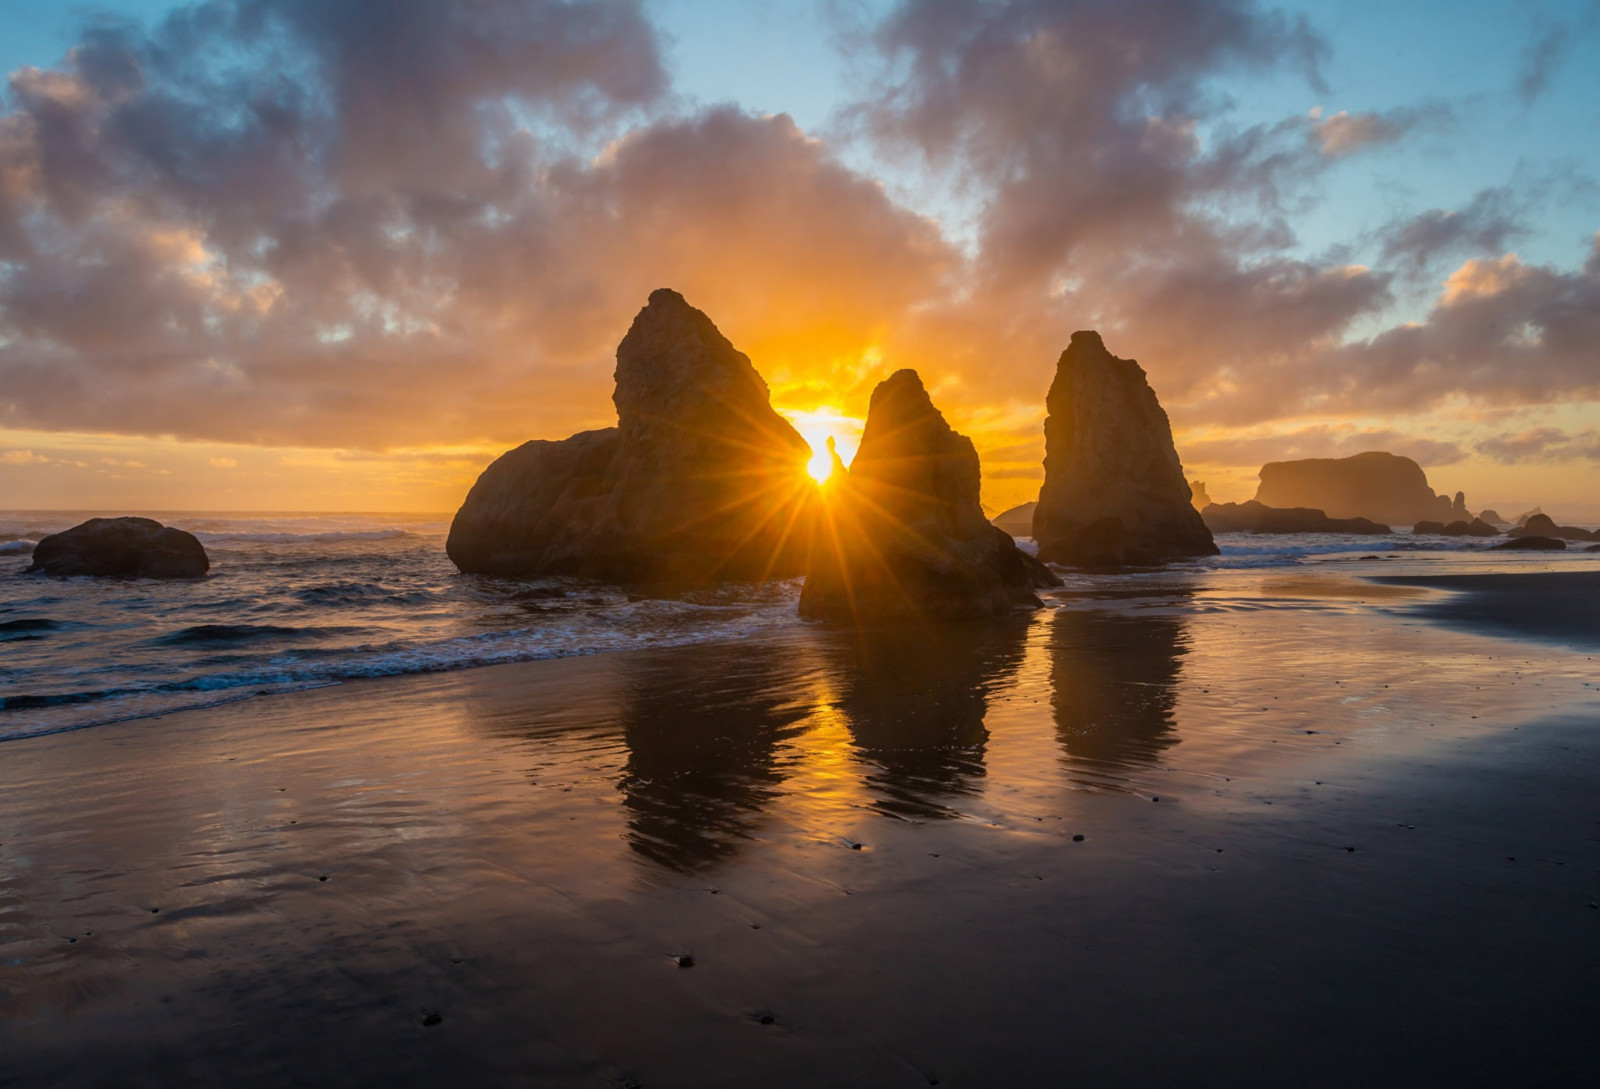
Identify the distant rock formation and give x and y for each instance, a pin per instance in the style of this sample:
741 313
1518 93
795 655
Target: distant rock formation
1460 528
700 479
1114 492
1522 519
140 548
1530 544
1542 525
1492 517
1199 499
1253 517
905 536
1018 521
1383 487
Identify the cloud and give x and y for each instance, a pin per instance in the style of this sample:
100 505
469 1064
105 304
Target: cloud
1541 444
22 457
223 463
1345 133
1487 224
1548 50
1318 441
374 225
393 222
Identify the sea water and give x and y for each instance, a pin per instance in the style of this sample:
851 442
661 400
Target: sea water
301 600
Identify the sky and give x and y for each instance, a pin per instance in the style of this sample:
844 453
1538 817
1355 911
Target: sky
339 254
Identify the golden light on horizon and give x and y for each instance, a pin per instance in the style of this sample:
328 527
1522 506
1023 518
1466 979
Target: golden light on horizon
817 426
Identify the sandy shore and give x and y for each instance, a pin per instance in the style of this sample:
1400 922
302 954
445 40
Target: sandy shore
1331 836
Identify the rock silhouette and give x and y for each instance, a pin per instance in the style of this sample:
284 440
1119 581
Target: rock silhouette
1018 521
1492 517
1253 517
1530 544
1114 492
903 534
121 547
1542 525
1461 528
700 480
1384 487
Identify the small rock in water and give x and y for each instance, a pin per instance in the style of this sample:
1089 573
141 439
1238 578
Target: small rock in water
324 877
431 1019
1157 798
1352 850
764 1017
684 960
1078 838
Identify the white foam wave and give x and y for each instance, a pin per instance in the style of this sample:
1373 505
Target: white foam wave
17 548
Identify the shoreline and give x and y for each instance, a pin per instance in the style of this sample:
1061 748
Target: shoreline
868 840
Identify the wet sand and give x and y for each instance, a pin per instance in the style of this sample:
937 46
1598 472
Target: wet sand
1562 606
1327 840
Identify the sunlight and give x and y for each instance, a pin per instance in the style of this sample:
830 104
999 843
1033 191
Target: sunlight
819 425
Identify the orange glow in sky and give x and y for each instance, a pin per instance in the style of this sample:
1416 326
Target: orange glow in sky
817 426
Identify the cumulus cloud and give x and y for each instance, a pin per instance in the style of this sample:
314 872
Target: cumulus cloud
288 222
394 223
23 457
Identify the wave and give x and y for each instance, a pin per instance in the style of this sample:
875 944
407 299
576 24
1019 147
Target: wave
212 634
361 593
20 546
280 537
299 669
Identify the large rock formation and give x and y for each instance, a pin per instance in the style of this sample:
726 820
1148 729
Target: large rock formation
1018 521
1114 492
1253 517
1542 525
903 534
1383 487
139 548
699 480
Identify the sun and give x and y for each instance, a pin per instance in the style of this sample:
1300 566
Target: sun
819 425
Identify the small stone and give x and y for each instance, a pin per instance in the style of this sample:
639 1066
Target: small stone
855 846
431 1019
324 877
155 911
1352 850
684 960
1157 798
1078 838
765 1018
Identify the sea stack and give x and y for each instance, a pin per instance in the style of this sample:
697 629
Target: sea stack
139 548
1384 487
700 480
903 534
1114 492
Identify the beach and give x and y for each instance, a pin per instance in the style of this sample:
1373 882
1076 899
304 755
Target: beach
1332 834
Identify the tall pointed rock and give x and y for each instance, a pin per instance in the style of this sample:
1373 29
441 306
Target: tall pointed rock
1114 492
700 480
902 533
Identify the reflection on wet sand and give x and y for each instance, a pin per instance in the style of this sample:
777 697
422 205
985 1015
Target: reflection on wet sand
914 701
702 733
1113 679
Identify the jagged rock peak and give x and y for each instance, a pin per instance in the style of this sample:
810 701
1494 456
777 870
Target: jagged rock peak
701 480
1114 491
907 536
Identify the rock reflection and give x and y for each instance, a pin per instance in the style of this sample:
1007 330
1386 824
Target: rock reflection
1113 679
702 733
914 700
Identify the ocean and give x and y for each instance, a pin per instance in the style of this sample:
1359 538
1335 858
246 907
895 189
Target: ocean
298 601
